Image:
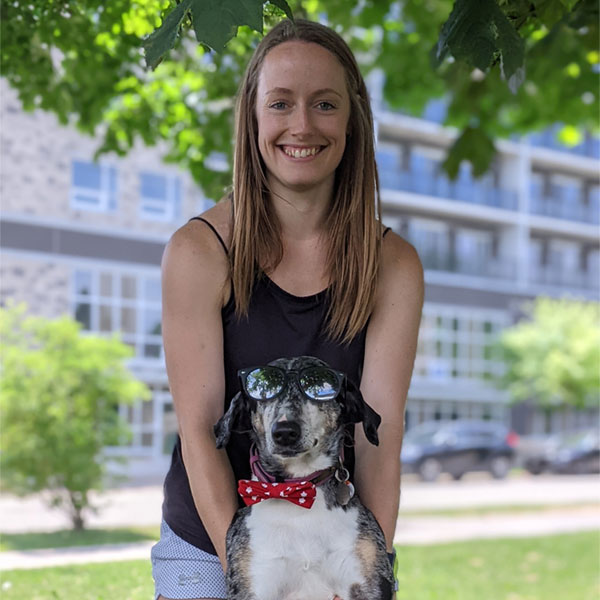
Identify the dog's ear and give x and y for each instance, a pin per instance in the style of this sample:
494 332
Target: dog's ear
356 410
235 417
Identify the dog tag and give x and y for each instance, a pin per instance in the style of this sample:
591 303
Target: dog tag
344 492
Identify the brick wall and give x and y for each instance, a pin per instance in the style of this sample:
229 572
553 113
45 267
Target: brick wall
42 285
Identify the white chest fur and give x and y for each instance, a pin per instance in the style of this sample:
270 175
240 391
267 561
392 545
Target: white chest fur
299 554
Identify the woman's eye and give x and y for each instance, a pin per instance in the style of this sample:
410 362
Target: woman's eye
326 105
278 105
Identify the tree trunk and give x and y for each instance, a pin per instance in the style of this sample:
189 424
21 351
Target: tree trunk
78 503
77 520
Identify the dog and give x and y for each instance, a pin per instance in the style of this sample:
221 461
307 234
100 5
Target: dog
304 534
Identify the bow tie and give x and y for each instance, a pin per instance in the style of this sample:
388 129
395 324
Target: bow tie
302 493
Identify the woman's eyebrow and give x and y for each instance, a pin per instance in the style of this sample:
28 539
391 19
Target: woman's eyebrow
282 90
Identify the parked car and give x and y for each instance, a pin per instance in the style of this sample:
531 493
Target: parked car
567 452
534 452
578 452
458 447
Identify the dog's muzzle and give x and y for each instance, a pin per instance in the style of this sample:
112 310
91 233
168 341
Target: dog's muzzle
286 434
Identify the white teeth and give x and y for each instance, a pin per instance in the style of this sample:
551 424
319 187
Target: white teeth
296 153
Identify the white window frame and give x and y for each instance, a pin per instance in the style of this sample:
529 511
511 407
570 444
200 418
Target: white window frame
106 199
452 342
115 304
167 209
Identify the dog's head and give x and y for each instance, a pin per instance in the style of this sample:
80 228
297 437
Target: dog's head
292 431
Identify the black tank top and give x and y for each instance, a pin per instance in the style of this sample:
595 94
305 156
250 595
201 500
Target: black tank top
278 325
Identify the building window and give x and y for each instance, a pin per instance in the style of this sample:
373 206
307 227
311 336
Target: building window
388 166
459 344
93 186
105 302
432 241
474 251
160 197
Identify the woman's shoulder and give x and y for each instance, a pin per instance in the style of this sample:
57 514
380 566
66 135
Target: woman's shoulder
197 250
208 233
217 220
401 264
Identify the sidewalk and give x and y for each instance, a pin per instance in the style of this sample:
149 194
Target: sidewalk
141 506
410 531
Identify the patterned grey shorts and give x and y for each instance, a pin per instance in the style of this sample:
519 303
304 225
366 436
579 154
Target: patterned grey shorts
181 570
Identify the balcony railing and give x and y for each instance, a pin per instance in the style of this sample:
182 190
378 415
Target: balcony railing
451 263
590 146
570 206
429 181
551 275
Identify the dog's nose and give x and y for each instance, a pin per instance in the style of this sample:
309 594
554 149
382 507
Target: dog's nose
285 433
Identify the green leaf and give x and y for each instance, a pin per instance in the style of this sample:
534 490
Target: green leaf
585 13
569 4
284 6
474 145
215 22
478 32
157 44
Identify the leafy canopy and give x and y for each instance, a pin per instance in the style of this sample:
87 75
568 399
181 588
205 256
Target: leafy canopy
503 66
59 398
553 356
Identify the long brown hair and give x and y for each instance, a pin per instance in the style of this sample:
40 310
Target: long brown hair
353 221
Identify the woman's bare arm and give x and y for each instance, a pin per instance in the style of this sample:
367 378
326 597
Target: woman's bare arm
389 358
195 283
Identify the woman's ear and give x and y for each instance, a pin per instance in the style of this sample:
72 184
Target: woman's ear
356 410
236 414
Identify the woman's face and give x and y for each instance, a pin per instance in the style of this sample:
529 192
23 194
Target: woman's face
302 109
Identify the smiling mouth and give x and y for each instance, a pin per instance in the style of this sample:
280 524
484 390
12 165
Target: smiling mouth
295 152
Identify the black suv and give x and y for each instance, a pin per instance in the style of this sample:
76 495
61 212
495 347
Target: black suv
458 447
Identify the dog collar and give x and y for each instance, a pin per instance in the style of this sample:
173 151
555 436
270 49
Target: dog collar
316 478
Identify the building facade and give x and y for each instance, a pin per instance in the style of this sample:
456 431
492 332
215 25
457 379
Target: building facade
529 227
86 239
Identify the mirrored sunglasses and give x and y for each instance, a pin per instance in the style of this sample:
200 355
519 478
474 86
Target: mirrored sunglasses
266 383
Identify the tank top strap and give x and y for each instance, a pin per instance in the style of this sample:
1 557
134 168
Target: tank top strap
384 231
214 231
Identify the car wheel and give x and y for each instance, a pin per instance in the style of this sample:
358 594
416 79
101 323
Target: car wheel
499 467
536 468
430 469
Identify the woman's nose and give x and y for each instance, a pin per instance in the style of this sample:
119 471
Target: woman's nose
301 121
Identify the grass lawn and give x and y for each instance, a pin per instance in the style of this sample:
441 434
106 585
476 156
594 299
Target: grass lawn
564 567
110 581
68 537
561 567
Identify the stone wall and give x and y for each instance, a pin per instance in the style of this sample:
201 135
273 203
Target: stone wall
42 285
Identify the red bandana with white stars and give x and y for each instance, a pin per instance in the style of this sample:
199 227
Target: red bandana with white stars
302 493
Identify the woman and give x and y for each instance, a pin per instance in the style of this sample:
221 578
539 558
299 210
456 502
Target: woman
294 262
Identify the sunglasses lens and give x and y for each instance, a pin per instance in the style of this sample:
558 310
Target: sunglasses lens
320 383
264 383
